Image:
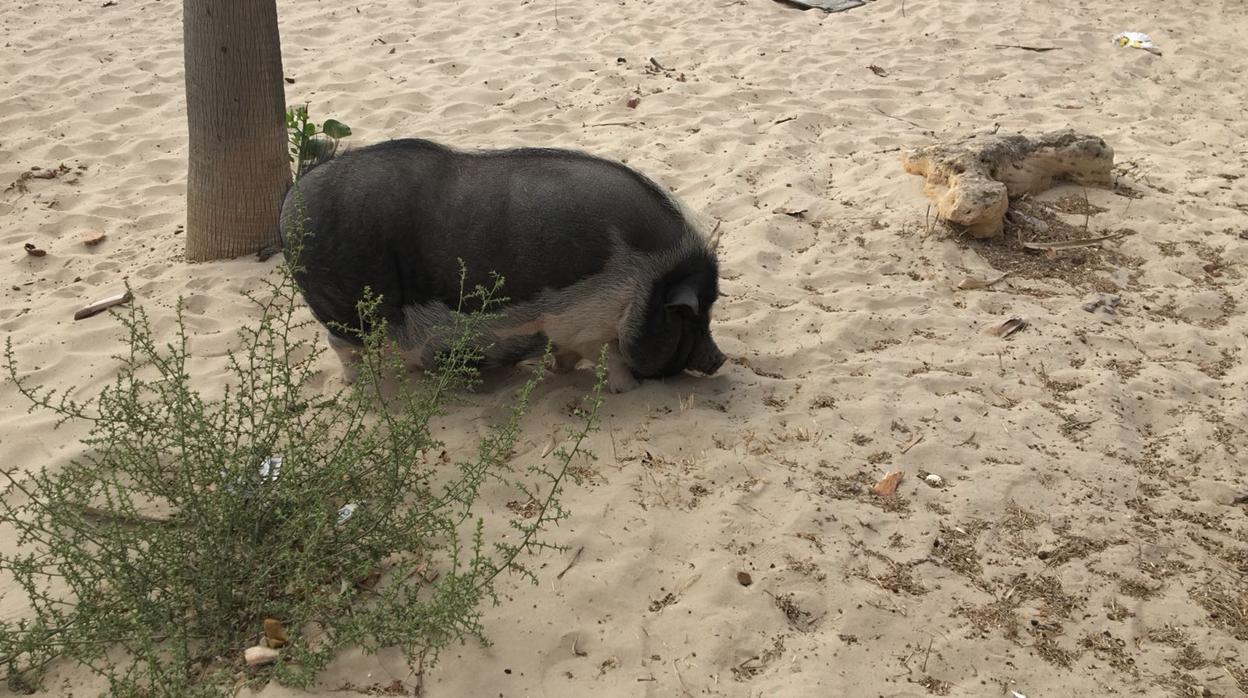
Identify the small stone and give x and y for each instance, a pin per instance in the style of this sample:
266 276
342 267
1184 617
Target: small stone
275 633
934 480
888 485
259 655
744 579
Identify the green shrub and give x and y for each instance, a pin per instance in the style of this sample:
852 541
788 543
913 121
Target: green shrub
155 558
311 143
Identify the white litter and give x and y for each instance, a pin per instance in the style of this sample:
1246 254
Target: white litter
271 467
346 512
1138 40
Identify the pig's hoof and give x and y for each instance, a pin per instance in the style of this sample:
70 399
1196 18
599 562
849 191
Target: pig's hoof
621 381
565 362
350 373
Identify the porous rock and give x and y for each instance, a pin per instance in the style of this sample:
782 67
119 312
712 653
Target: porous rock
972 180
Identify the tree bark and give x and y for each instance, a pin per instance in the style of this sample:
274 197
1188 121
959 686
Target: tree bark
236 113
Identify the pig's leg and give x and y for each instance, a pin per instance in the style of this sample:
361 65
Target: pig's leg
565 361
348 354
619 376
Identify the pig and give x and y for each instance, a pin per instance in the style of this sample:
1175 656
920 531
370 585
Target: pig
590 252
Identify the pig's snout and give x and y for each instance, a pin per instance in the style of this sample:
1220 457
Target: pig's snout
712 358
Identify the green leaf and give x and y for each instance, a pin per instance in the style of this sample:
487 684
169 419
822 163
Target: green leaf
336 129
309 130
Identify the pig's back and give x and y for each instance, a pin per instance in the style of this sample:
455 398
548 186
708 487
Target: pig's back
398 216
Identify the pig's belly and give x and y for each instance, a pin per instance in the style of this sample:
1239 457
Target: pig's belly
570 319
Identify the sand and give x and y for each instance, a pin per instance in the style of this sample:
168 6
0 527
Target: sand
1085 534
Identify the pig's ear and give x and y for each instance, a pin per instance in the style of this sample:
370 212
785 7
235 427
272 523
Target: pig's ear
683 297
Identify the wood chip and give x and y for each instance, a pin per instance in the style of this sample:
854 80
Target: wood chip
878 70
794 212
1071 244
1036 49
1026 220
971 283
103 304
1008 327
912 444
888 485
34 251
258 655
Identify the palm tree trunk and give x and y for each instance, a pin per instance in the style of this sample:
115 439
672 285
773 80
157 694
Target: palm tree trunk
236 112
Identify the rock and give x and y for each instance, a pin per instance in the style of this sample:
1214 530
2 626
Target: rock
888 485
103 304
972 180
259 655
274 633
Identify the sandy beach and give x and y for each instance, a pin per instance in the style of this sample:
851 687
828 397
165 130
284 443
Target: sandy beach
1084 539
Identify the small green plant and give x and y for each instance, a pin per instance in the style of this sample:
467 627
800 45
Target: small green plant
156 558
311 143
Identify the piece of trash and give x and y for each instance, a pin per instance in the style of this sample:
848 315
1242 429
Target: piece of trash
103 304
94 239
826 5
346 512
971 283
794 212
271 467
1016 694
912 444
1109 302
369 581
264 253
1008 327
934 480
1019 218
633 102
1037 49
888 485
878 70
258 655
275 633
1138 40
34 251
1071 244
744 579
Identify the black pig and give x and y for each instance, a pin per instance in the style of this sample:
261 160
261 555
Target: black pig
591 253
